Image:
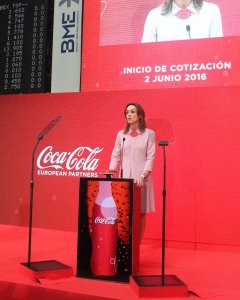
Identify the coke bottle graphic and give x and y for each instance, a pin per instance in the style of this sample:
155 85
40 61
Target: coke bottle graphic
104 232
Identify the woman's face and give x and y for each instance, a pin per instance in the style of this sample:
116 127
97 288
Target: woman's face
131 115
183 3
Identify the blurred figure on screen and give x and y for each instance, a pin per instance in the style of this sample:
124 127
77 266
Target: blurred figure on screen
134 150
182 20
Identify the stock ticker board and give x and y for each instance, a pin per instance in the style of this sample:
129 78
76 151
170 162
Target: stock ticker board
24 46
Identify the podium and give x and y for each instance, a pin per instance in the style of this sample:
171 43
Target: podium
126 198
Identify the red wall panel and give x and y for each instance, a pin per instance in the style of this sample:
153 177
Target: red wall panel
202 164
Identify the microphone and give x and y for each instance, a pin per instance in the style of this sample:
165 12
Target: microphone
188 28
123 140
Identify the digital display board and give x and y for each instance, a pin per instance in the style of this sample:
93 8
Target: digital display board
23 46
116 56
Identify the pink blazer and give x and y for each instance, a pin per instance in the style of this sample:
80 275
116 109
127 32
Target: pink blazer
138 154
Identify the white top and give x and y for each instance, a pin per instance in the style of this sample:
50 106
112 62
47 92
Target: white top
204 23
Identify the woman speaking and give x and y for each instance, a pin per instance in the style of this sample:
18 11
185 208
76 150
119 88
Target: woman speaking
134 149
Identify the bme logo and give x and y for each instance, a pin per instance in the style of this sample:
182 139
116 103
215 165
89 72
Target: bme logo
69 27
67 18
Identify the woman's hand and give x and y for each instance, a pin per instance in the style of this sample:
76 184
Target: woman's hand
141 179
139 182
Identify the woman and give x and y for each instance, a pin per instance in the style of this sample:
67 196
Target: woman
135 151
181 20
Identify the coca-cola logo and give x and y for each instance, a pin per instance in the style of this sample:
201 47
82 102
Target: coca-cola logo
99 220
82 160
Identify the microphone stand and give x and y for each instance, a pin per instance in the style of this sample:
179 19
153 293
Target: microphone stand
164 193
161 285
39 138
31 203
39 267
167 280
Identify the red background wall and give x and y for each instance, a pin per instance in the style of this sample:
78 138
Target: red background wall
202 164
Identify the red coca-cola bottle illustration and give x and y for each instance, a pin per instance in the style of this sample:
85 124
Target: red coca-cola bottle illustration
104 232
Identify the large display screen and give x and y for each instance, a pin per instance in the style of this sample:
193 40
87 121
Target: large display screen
23 46
130 44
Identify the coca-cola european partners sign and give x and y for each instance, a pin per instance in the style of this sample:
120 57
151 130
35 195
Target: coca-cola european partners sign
81 162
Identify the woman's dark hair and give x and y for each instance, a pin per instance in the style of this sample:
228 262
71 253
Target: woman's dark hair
167 6
141 116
